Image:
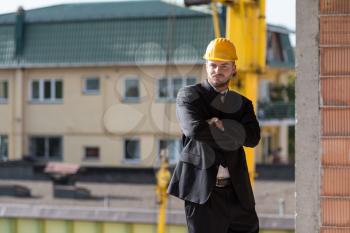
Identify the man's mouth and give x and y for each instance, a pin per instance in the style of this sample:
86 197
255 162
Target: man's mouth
218 76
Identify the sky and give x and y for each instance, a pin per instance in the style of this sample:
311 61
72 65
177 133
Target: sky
279 12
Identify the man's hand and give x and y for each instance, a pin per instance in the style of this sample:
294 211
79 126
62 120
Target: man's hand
216 122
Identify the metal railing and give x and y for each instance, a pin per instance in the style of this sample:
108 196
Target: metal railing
276 110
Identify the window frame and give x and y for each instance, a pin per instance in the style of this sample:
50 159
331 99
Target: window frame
91 92
266 141
158 86
46 156
135 160
171 162
41 99
170 86
4 100
85 158
131 99
4 157
188 78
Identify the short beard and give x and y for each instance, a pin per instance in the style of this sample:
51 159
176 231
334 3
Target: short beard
220 85
226 84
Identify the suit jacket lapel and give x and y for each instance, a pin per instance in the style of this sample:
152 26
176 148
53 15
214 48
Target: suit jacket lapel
209 92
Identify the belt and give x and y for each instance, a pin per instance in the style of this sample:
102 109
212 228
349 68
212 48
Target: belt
223 182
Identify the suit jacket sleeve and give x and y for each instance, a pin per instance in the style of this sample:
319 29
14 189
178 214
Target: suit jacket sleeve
193 124
251 126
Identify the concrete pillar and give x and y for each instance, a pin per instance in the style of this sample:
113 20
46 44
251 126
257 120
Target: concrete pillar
283 141
308 152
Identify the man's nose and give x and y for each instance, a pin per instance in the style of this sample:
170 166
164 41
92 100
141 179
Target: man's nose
217 69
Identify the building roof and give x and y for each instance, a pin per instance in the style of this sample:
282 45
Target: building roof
105 33
279 29
102 11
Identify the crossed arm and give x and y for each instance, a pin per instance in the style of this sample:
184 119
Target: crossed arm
224 134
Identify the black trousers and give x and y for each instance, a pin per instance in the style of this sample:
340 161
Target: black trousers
222 213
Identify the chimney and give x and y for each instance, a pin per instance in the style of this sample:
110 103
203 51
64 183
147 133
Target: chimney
19 31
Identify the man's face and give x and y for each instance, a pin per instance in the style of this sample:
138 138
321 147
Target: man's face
219 72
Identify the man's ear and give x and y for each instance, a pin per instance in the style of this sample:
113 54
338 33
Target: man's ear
234 72
234 66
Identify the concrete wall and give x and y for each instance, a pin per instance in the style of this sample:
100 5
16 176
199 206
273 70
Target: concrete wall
308 118
64 219
21 225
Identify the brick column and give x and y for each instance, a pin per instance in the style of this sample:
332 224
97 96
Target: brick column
334 46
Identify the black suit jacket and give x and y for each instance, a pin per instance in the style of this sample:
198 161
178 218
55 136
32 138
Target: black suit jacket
205 147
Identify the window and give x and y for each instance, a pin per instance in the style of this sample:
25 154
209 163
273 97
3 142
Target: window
46 147
177 84
169 87
163 88
48 90
91 85
172 149
274 50
35 90
131 89
264 90
132 149
3 91
266 148
92 153
191 81
3 148
59 90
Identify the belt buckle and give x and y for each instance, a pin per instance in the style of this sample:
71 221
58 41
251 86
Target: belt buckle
222 182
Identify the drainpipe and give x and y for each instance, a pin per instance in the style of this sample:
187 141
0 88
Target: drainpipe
17 141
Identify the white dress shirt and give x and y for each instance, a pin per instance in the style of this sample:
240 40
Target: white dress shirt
223 171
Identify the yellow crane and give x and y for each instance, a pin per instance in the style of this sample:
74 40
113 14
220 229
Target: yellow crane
163 178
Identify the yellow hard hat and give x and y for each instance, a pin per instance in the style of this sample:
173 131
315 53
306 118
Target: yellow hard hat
221 49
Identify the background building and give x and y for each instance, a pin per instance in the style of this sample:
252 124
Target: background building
95 84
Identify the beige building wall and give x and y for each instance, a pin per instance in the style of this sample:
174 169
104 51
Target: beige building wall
103 120
5 108
8 118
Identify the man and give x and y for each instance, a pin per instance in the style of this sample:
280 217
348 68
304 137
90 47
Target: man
212 175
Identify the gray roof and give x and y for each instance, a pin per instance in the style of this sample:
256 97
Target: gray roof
107 33
279 29
102 11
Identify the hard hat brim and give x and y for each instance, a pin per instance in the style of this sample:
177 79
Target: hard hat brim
220 59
